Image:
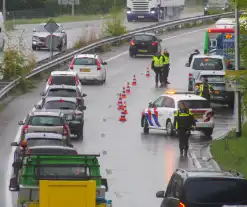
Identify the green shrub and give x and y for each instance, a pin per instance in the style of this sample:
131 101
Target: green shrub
114 27
86 39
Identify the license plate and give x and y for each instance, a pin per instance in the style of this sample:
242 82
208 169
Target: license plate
142 50
69 117
198 116
141 17
43 43
217 92
85 70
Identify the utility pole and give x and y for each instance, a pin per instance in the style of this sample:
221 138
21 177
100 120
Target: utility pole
73 7
237 104
4 10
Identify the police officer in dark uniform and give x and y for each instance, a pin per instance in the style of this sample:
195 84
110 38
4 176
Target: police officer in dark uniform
157 66
196 52
205 89
183 121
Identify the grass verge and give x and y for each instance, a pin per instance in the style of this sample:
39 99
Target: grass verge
230 153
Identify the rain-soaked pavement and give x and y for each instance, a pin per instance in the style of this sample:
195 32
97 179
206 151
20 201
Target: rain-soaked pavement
136 165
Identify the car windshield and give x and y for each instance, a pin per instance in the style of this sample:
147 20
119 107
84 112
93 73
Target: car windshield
220 190
45 121
62 92
44 142
63 80
207 64
143 38
63 105
213 78
196 104
85 61
41 28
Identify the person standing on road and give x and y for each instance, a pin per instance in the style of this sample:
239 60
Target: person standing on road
157 66
196 52
183 121
205 90
166 67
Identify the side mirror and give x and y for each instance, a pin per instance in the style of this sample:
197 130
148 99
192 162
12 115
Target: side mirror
14 144
70 145
21 123
84 107
104 183
104 63
187 65
150 104
171 202
37 106
160 40
42 93
34 30
46 80
84 95
17 164
160 194
13 184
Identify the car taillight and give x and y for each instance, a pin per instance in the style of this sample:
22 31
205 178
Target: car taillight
65 130
71 66
98 65
143 113
50 80
77 80
190 75
181 204
25 129
209 115
132 43
155 44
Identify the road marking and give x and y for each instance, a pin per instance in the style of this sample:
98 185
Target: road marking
196 162
17 137
168 38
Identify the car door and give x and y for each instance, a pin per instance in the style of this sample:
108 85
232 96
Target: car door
156 117
168 110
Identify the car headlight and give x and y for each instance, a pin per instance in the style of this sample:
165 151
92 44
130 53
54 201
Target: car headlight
152 12
128 12
205 8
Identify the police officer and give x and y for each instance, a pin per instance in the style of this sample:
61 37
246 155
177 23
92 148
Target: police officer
196 52
157 66
183 121
166 67
205 89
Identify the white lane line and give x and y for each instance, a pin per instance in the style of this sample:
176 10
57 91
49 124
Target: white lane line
17 137
196 162
168 38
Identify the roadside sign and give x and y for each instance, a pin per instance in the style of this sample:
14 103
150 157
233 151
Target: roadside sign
68 2
231 77
51 26
52 42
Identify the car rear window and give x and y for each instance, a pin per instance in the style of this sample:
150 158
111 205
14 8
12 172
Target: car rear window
53 151
63 105
85 61
207 64
63 80
45 121
213 78
62 93
196 104
44 142
220 191
143 38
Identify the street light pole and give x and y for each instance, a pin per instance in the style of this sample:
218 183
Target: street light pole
4 10
237 104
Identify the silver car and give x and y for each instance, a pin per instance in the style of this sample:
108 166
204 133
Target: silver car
56 150
40 39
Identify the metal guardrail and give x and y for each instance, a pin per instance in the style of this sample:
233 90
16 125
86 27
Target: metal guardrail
62 58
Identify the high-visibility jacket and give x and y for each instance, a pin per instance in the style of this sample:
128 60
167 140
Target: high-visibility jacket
183 119
158 61
204 93
166 59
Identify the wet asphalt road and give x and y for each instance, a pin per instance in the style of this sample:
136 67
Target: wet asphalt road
136 165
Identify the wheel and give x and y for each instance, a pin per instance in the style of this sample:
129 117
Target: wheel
190 88
208 132
80 133
34 48
169 128
104 79
145 128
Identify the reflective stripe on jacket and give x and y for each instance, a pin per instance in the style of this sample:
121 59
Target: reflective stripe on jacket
158 62
167 59
201 89
186 119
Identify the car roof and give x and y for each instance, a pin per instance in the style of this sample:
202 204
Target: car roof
183 97
226 21
63 73
86 56
208 72
40 135
53 147
70 99
62 87
145 33
209 56
45 113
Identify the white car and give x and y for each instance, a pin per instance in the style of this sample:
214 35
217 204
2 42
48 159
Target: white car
69 78
160 113
89 67
225 23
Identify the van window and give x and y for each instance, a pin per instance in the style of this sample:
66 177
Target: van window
207 64
221 191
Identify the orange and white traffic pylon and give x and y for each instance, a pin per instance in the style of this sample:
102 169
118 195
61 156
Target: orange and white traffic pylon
128 88
124 93
122 117
134 83
120 101
147 72
125 108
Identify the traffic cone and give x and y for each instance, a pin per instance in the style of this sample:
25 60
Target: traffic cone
122 117
125 108
147 72
120 106
124 93
120 101
128 88
134 81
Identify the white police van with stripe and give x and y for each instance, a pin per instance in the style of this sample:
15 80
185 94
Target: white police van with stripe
160 113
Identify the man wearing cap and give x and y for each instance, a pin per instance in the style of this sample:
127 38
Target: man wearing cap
157 66
166 68
196 52
183 121
205 89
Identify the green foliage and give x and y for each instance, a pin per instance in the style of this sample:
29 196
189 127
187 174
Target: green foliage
114 27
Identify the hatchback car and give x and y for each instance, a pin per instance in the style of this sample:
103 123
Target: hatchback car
144 44
56 150
89 67
69 78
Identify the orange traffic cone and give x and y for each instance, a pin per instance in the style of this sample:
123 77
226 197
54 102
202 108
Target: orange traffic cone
125 108
134 81
122 117
120 106
147 72
128 88
124 93
120 102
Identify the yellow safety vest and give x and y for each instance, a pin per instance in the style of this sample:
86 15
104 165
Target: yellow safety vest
181 114
201 89
167 59
158 62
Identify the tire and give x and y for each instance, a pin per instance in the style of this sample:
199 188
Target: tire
208 132
145 127
190 88
80 134
169 128
34 48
